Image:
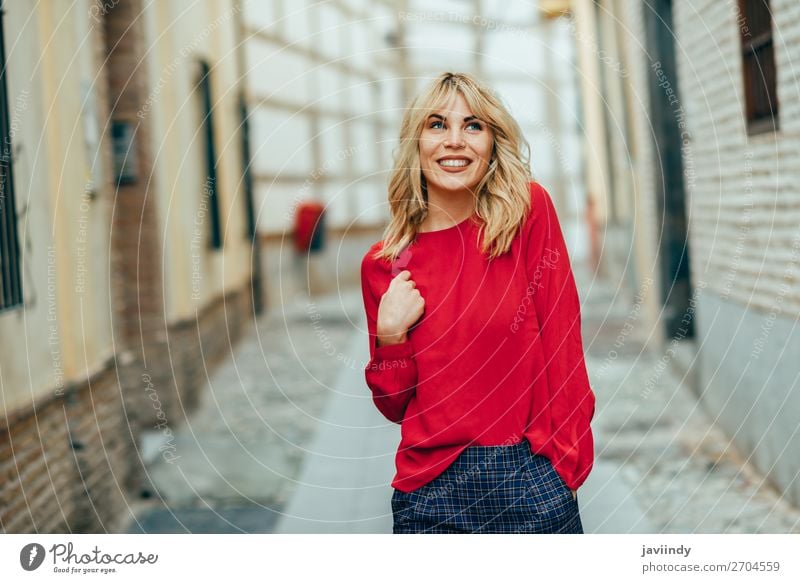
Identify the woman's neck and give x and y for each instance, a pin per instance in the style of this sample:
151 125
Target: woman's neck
446 212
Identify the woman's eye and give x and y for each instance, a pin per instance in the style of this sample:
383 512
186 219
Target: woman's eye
473 125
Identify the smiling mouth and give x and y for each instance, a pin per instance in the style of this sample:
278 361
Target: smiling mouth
455 163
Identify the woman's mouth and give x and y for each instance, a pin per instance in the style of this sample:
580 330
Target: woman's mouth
454 164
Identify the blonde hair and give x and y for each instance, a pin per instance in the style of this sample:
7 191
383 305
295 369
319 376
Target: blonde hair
503 195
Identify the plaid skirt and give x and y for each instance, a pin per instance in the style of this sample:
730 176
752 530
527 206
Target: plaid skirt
490 489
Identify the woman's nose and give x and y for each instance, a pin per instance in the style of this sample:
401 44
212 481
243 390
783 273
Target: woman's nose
454 138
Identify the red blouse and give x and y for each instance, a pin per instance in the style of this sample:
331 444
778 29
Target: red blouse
496 357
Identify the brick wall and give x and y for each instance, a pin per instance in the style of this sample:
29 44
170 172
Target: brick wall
198 345
69 463
745 209
65 461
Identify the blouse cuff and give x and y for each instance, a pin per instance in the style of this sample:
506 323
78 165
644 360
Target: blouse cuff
393 351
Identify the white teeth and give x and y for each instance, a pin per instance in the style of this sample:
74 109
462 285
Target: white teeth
454 162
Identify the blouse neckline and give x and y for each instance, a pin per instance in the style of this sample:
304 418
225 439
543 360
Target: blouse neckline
452 228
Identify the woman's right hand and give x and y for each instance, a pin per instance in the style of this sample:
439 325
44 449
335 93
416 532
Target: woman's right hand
400 307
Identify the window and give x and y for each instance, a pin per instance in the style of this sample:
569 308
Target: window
758 58
10 281
210 194
246 166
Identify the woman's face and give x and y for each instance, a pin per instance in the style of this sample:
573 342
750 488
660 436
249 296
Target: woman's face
454 149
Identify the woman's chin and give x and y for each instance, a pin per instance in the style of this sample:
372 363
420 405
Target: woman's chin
452 185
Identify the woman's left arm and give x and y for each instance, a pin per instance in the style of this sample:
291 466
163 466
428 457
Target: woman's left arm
557 305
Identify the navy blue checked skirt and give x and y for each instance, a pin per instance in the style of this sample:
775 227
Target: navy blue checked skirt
490 489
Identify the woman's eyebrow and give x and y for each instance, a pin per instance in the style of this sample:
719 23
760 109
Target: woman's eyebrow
444 118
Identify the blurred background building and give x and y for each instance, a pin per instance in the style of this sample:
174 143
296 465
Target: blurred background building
157 156
125 244
327 85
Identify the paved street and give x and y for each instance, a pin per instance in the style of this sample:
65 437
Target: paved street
287 438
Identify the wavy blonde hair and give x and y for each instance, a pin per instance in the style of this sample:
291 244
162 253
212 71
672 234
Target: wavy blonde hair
503 196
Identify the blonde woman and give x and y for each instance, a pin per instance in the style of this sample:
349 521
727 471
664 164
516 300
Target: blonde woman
474 328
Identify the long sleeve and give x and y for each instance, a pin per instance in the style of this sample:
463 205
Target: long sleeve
391 372
557 306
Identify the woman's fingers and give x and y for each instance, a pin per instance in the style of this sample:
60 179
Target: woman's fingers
402 276
400 306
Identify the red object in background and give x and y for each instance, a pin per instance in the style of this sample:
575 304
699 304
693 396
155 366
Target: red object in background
307 220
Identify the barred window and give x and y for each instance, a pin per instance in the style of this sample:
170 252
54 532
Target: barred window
10 281
758 59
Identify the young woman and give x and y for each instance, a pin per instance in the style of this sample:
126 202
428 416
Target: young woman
474 328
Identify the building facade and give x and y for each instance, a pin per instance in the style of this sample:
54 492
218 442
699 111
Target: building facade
125 246
699 101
